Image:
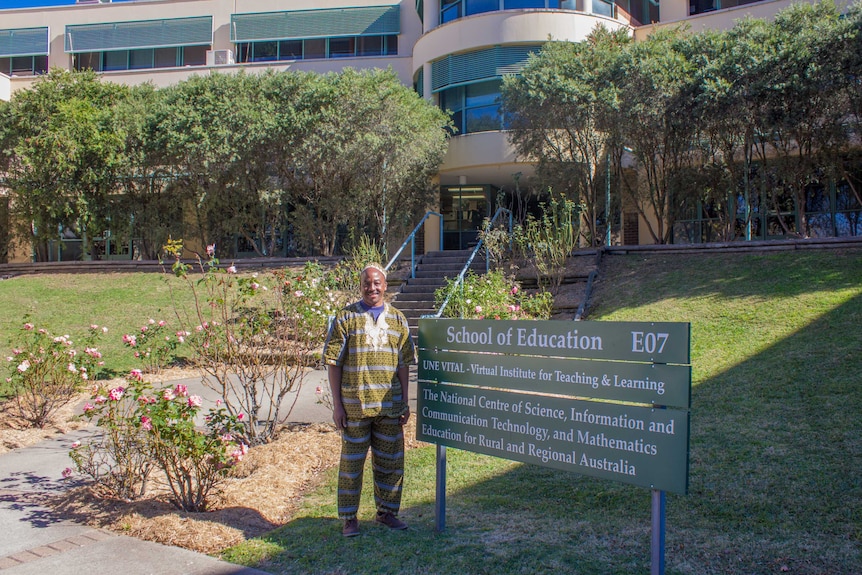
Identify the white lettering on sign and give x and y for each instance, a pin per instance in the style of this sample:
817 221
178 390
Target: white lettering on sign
466 336
648 342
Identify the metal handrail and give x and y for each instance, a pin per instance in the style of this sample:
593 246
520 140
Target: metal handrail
412 239
461 275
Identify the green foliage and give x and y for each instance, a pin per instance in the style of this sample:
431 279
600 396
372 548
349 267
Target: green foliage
691 112
549 240
66 155
219 157
492 296
347 271
46 372
154 345
561 110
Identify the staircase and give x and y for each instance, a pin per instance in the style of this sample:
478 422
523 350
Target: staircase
416 297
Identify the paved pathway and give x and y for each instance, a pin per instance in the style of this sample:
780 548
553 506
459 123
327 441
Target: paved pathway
32 541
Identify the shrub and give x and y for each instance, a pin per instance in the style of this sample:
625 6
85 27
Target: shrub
119 460
144 428
154 345
492 296
46 372
549 240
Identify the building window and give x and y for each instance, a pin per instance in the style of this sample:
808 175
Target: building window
702 6
317 48
475 107
24 65
453 9
142 59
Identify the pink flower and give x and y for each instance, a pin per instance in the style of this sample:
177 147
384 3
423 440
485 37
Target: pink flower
255 285
514 290
195 401
169 395
211 250
17 351
130 340
181 390
94 327
298 293
137 374
231 270
478 309
24 366
318 389
76 444
151 321
104 329
144 329
67 473
88 407
162 323
240 416
218 402
226 438
238 453
71 367
146 423
100 399
28 326
116 393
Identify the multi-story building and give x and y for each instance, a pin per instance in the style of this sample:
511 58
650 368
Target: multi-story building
454 52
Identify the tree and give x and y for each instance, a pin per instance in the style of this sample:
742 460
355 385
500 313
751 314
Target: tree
363 152
559 111
65 153
804 103
150 199
212 133
654 120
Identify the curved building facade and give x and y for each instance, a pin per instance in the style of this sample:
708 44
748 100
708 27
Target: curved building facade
454 52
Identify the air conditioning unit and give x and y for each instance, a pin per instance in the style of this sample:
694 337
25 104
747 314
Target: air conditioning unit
219 57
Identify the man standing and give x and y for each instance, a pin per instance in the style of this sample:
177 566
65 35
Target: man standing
367 353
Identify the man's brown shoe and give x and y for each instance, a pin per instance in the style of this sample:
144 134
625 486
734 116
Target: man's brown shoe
351 527
390 521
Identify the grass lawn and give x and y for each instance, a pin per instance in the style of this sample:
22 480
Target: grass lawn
776 447
776 435
69 303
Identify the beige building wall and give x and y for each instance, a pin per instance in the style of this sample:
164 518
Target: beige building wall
56 18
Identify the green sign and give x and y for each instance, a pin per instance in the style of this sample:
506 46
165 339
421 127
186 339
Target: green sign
597 395
655 383
640 445
627 341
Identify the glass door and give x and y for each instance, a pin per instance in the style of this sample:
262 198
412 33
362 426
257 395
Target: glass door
463 208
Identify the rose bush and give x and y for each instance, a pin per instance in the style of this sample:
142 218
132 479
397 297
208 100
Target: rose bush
144 428
118 459
46 371
154 345
255 336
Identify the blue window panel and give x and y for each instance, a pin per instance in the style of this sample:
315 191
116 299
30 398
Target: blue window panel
142 34
24 42
336 22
